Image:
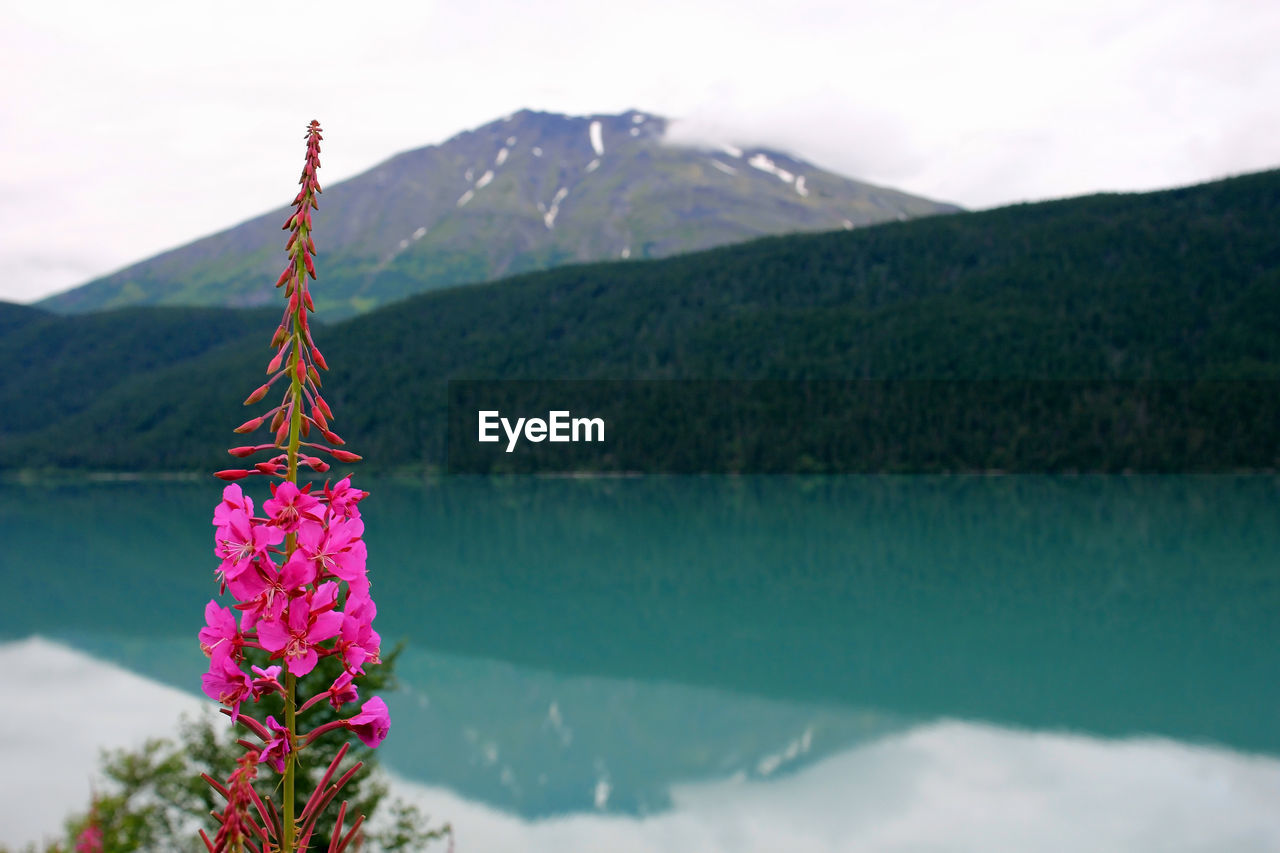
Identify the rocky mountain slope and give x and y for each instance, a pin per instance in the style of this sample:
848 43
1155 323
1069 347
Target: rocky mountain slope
530 191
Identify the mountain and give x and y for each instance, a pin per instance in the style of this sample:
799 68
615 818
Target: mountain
530 191
56 366
1174 285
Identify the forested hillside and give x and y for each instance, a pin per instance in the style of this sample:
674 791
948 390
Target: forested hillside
1182 284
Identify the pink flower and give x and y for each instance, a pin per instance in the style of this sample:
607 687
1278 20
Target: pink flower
289 505
324 597
359 643
342 691
220 631
277 747
241 541
90 838
225 683
358 590
372 723
336 550
264 591
295 637
343 499
268 681
233 498
300 569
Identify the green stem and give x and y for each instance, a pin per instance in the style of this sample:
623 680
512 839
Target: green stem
291 543
290 717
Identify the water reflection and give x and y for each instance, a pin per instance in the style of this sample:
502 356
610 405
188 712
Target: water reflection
698 626
946 787
846 783
1112 605
539 743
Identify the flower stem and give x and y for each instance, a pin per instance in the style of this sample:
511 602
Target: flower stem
290 717
288 827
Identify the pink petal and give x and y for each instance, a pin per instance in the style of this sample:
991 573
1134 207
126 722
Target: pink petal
273 635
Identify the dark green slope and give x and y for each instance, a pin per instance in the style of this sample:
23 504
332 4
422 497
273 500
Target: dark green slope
56 366
1170 285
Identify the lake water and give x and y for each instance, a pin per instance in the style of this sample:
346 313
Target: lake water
852 663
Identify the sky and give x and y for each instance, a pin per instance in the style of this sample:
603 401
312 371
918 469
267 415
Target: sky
128 128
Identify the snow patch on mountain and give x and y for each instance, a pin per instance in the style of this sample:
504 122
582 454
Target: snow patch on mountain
764 164
597 138
550 216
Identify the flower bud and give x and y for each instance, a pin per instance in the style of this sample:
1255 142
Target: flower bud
258 394
315 376
275 362
242 452
345 455
279 337
317 464
232 474
318 359
331 436
251 425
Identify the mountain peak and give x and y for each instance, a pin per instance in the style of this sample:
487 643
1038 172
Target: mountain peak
530 190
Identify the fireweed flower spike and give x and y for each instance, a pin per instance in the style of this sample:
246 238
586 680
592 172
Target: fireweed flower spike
297 574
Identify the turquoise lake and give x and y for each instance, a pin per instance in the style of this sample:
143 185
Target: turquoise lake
596 646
